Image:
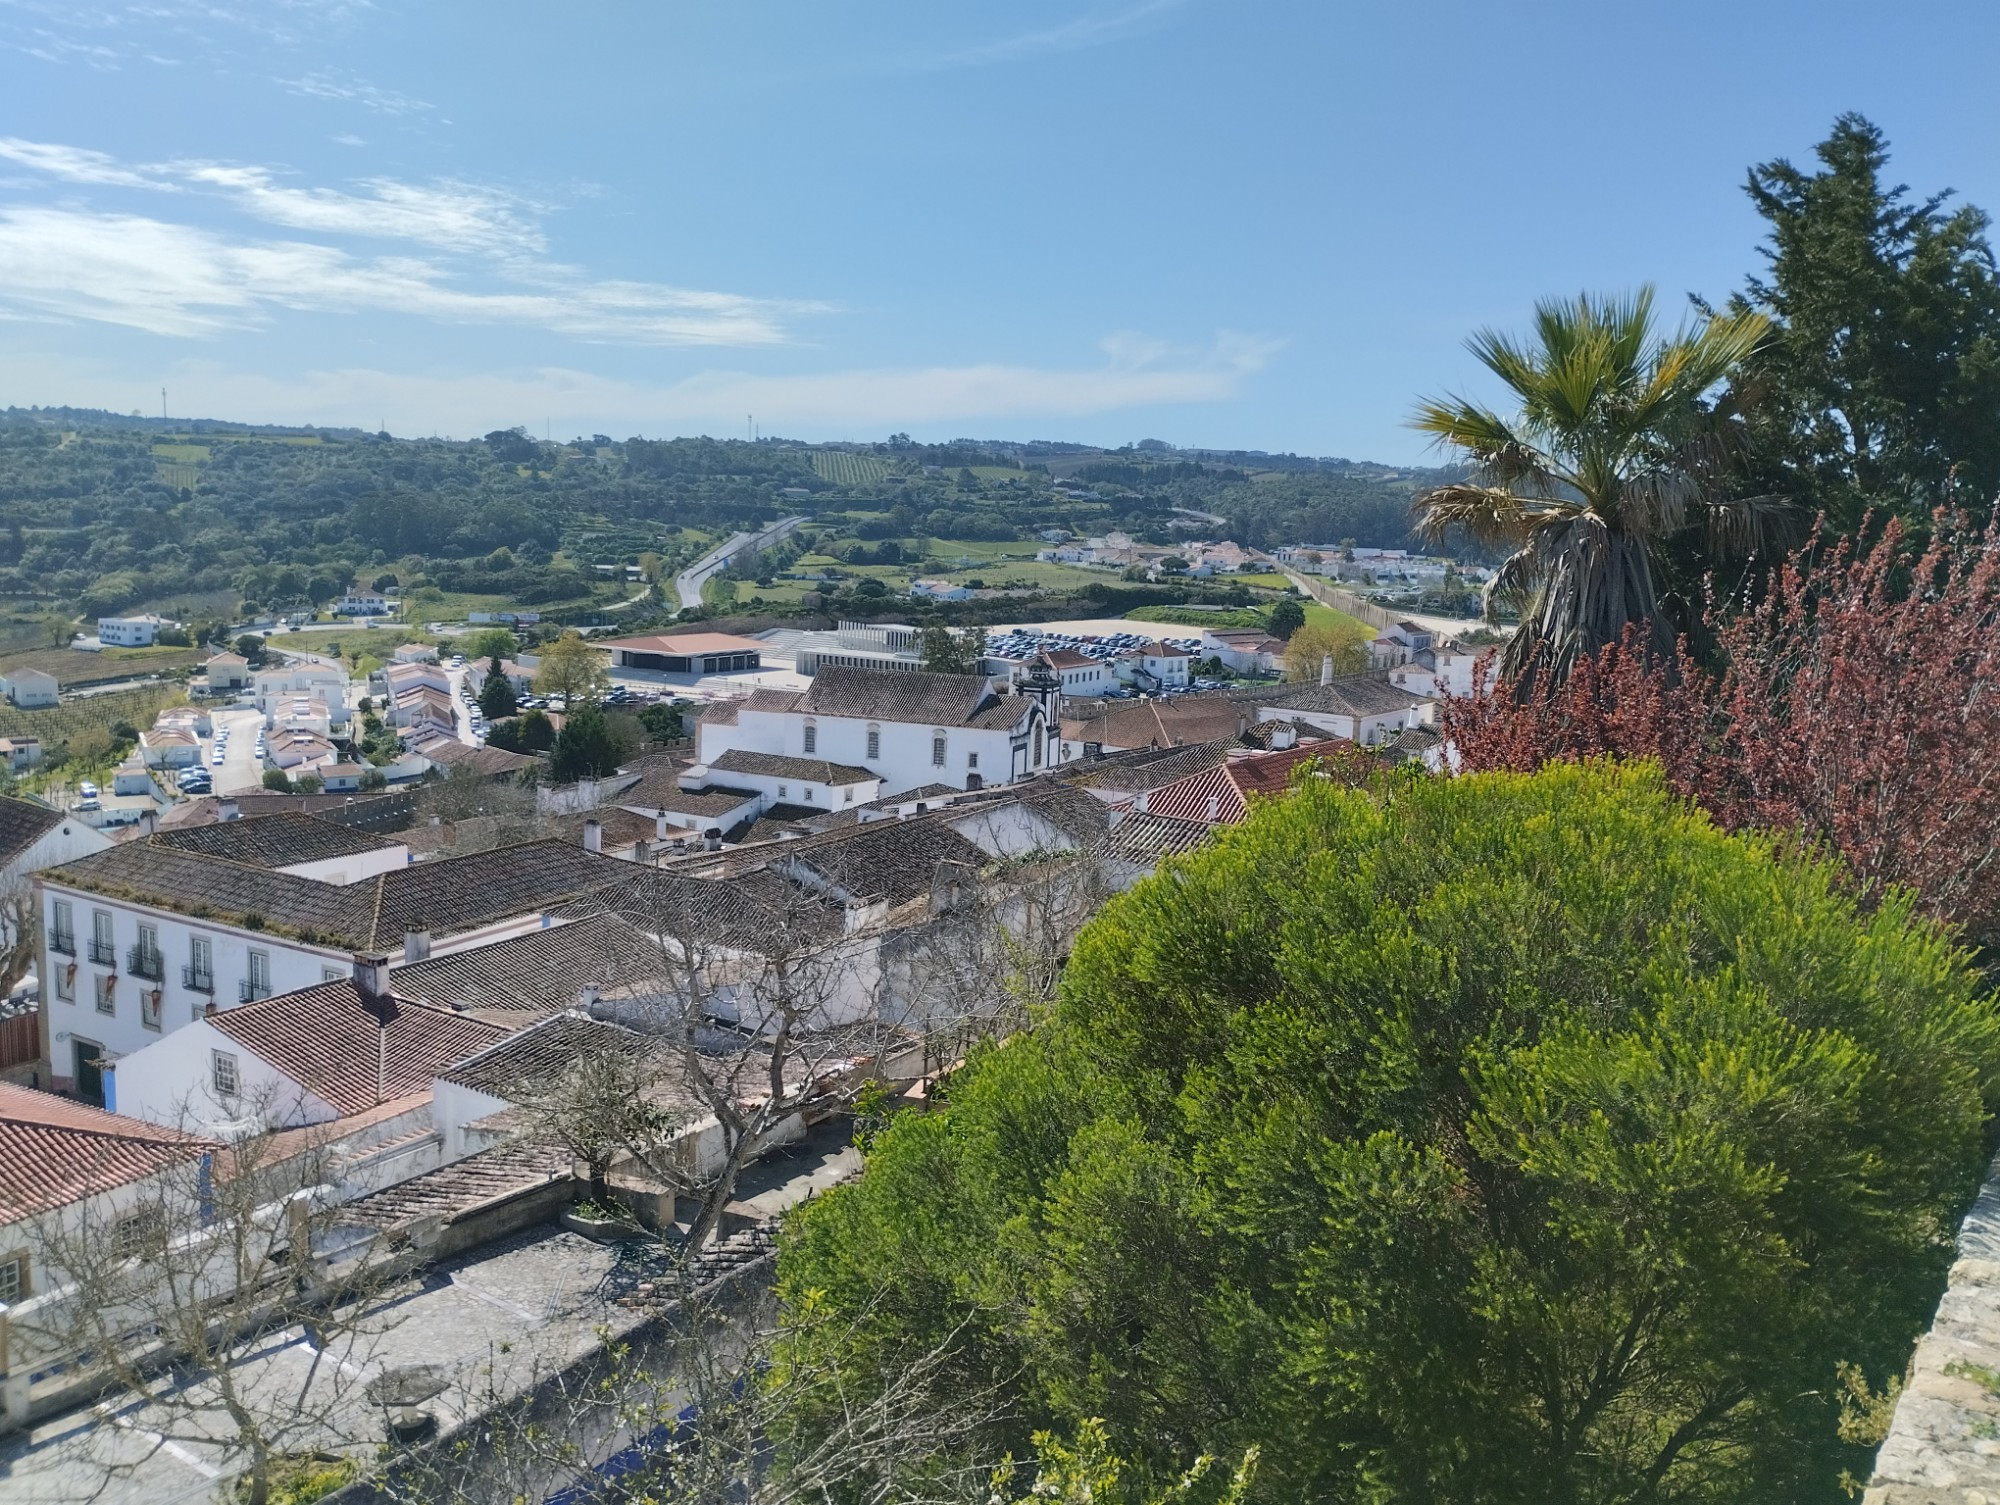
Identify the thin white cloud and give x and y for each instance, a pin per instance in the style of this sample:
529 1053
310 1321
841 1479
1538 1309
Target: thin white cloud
175 280
829 403
448 215
1091 30
349 89
76 164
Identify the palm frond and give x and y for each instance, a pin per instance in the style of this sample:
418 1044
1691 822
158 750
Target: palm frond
1491 516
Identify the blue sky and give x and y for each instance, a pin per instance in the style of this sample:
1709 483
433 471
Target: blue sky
1218 222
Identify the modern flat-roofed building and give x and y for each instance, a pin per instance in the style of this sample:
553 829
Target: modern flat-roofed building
686 653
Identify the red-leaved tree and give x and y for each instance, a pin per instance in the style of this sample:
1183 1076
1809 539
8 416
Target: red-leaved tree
1858 703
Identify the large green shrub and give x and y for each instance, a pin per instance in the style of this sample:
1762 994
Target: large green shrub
1505 1138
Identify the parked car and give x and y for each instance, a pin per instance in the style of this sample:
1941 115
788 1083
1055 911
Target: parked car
86 795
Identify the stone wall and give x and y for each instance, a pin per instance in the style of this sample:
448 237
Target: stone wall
1943 1446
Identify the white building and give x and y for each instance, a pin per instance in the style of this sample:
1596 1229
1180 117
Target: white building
1077 673
277 688
130 632
360 603
31 688
143 939
1154 666
783 780
908 729
861 645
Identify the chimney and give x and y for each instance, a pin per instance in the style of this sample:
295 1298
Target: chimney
1284 736
711 839
371 974
416 946
660 826
949 881
593 836
226 810
1326 669
586 998
1214 808
1141 802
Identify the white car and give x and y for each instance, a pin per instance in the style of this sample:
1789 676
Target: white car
217 758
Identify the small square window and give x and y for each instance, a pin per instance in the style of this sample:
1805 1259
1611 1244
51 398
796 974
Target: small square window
222 1072
13 1278
137 1234
972 760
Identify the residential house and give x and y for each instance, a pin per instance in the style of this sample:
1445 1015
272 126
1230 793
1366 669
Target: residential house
520 676
783 780
1077 673
19 754
1244 650
939 590
277 688
415 653
169 747
907 728
1093 728
331 1051
141 939
363 603
1366 708
31 689
1424 662
224 674
64 1167
298 751
1154 666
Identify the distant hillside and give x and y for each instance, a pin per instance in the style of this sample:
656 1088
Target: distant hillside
103 512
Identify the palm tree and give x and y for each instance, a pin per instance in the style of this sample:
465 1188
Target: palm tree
1616 450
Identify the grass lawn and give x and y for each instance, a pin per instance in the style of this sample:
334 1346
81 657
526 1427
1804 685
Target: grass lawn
1318 615
1268 580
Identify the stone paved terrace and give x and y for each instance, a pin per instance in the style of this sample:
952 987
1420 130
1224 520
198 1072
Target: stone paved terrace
1943 1447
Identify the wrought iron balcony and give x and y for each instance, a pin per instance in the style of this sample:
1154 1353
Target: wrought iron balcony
104 953
62 942
146 961
198 979
249 992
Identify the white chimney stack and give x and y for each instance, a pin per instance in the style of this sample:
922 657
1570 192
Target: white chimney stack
593 836
371 974
1326 669
226 810
416 945
660 826
1214 808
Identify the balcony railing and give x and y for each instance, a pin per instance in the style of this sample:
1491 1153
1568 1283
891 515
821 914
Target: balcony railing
104 953
143 961
249 990
198 979
62 942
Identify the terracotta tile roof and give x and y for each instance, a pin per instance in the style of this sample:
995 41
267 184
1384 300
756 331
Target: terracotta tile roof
351 1051
806 770
453 753
685 643
542 971
55 1151
1352 695
901 695
886 859
22 824
1221 795
502 1171
1147 767
445 896
1147 838
388 811
272 841
1172 722
536 1057
744 910
1064 658
1410 744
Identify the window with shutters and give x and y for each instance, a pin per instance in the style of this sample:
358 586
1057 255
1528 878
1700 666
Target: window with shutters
812 739
937 749
14 1278
874 743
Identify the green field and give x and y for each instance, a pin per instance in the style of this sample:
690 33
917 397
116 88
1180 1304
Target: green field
91 713
844 469
69 666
